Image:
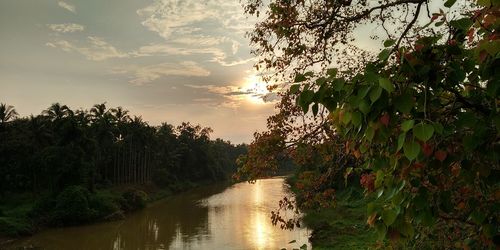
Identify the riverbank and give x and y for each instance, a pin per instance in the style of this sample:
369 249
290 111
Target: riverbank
343 226
26 214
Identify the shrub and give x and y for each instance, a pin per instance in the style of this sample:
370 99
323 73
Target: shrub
15 226
103 204
134 199
72 206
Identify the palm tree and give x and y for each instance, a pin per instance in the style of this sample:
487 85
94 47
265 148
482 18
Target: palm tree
7 113
120 114
98 112
56 111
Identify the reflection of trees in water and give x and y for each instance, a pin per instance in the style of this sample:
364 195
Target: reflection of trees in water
182 218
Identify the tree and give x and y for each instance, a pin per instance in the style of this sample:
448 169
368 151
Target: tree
7 113
421 118
56 112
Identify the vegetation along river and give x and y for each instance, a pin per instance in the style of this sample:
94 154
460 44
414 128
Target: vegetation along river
213 217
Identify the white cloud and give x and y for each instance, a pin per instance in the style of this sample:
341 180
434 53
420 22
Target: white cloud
185 24
218 54
96 50
66 27
234 96
67 6
145 74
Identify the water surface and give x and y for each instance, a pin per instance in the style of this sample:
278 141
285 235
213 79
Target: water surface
213 217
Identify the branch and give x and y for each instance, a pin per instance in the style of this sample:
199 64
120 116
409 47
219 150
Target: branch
408 27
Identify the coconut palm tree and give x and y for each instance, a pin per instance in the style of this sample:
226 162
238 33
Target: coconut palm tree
56 111
7 113
120 114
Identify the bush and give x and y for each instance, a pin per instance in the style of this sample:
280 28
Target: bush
72 206
103 204
134 199
162 178
14 227
42 211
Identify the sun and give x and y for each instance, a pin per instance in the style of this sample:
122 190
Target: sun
256 89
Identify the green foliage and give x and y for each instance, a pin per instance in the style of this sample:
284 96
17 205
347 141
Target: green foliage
104 204
343 226
134 199
15 227
421 119
443 126
72 206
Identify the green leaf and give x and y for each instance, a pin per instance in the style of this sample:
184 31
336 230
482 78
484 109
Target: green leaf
356 118
379 178
381 230
305 99
303 247
294 88
332 72
364 106
346 118
407 229
449 3
404 103
411 150
293 241
320 81
389 43
438 128
384 55
299 78
375 94
386 84
407 125
363 91
401 141
389 216
462 24
338 84
477 217
369 133
423 131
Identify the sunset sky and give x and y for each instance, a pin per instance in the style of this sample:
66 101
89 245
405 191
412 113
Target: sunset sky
167 60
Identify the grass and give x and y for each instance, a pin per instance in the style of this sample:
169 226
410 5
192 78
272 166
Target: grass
14 220
342 227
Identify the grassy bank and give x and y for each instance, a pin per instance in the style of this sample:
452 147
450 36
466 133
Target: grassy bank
341 227
25 214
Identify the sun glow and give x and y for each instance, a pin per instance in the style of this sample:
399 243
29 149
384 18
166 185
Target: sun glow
256 88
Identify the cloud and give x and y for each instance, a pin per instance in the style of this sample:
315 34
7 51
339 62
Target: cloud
231 96
218 55
96 50
66 27
189 27
67 6
145 74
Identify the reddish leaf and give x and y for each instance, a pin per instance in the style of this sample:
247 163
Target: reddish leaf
440 155
427 149
384 119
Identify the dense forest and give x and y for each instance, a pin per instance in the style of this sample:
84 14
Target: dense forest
63 153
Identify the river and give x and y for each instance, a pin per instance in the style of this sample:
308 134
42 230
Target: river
210 217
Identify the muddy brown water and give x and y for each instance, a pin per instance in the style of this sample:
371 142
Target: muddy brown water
211 217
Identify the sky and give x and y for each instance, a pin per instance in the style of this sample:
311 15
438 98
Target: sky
167 61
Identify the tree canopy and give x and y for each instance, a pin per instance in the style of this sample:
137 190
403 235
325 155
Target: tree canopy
102 147
418 123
